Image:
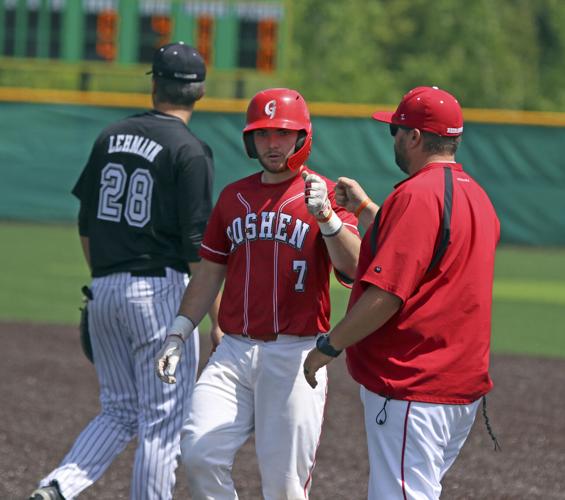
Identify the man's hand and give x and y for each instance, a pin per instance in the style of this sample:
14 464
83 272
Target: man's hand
313 362
349 194
316 196
168 358
215 336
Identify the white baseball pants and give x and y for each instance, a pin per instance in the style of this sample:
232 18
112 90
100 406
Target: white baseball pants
414 445
254 386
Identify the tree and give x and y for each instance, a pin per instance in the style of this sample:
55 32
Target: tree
503 54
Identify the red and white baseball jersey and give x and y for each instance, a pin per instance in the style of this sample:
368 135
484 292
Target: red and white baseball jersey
278 267
436 347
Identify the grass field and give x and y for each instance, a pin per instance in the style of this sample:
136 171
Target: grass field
44 270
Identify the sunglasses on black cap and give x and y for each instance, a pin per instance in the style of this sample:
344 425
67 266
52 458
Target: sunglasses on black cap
394 128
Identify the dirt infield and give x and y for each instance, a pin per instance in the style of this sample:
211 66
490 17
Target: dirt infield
49 392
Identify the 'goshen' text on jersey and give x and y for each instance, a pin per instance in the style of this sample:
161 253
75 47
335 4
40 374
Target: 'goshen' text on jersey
134 144
253 227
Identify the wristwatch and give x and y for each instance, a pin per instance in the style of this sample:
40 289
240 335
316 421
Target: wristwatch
323 345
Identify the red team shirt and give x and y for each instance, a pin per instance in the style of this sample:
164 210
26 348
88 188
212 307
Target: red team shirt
278 266
436 347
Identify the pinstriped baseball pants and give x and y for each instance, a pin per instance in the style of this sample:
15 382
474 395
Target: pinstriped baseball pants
128 321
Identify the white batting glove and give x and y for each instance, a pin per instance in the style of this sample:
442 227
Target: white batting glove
168 358
316 195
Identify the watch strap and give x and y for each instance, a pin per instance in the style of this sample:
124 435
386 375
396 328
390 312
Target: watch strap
323 345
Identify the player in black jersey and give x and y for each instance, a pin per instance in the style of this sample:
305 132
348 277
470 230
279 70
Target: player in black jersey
145 197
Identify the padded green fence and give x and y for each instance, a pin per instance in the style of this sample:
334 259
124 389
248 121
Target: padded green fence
44 146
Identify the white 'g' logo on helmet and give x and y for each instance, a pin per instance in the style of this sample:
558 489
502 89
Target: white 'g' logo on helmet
270 109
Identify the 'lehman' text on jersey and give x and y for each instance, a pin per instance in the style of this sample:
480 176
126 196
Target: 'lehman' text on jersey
134 144
268 226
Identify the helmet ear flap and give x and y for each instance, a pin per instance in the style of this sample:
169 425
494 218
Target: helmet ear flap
300 140
249 142
302 150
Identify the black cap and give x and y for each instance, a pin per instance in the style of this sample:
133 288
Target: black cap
179 61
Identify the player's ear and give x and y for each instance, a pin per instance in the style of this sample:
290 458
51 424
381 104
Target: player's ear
415 136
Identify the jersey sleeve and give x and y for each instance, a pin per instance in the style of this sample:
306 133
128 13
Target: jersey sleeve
407 233
78 191
350 223
194 201
216 244
82 190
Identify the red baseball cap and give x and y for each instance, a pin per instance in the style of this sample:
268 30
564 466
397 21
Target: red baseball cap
427 108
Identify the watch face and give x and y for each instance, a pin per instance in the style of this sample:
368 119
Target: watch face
324 346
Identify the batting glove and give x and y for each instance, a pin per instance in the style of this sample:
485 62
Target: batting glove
316 195
168 358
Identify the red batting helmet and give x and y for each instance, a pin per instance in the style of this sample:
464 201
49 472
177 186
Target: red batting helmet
280 108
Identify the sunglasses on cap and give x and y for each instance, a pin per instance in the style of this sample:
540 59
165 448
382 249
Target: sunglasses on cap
394 128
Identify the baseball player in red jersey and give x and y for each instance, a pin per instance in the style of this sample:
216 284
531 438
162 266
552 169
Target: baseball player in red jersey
417 331
274 237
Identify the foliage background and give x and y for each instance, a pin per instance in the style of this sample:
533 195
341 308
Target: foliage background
504 54
491 54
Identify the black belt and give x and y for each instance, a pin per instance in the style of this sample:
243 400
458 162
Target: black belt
158 272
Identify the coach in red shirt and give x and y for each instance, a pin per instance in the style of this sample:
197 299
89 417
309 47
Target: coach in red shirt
418 327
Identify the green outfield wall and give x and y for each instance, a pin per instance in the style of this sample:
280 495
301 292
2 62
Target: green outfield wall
520 162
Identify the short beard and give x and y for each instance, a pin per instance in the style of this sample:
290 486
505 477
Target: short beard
277 170
400 156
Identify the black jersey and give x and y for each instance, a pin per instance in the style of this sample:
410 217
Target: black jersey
145 195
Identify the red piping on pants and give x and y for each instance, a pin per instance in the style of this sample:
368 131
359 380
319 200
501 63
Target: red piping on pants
318 445
404 449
